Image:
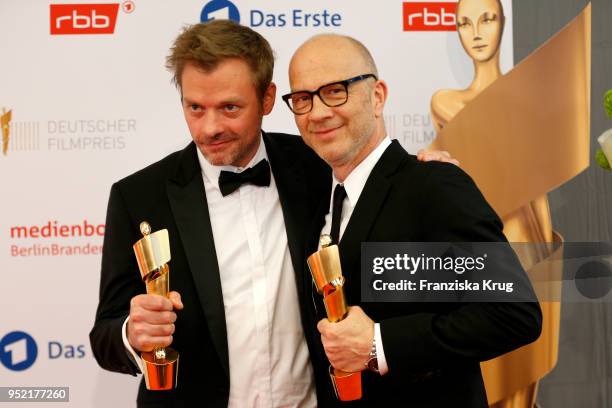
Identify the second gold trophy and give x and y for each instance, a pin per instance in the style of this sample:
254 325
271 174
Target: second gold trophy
327 275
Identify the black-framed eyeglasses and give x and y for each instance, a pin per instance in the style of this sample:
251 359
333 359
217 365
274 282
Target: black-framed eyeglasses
332 95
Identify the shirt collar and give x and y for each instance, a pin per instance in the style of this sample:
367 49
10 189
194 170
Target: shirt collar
211 173
355 182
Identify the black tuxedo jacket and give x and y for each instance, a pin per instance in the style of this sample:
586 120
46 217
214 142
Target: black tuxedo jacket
170 194
432 350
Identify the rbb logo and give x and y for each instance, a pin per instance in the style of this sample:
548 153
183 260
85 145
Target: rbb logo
430 16
220 10
83 18
18 351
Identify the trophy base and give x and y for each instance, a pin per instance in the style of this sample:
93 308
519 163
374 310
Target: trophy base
346 385
160 374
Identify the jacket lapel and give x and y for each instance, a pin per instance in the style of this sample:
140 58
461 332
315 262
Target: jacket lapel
366 211
289 169
189 207
314 233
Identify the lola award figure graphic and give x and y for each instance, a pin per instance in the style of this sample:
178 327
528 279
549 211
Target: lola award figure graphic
490 127
480 25
5 120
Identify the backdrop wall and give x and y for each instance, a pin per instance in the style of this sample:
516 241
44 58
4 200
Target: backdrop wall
91 102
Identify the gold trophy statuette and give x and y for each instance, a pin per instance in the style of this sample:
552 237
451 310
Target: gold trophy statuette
160 366
327 276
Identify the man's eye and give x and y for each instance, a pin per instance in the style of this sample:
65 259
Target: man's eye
194 108
231 108
300 98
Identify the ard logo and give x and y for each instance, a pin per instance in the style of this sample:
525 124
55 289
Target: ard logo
220 10
18 351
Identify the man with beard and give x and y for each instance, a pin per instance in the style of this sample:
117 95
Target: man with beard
236 202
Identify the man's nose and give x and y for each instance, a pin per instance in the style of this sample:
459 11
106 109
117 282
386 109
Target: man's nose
211 124
319 110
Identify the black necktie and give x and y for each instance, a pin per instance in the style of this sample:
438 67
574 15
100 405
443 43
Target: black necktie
339 196
258 175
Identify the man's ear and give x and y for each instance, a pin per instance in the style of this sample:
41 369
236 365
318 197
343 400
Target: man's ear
268 98
380 97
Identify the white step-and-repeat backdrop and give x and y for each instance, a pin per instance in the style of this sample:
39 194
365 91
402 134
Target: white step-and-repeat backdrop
87 101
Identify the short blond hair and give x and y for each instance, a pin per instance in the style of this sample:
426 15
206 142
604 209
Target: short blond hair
208 44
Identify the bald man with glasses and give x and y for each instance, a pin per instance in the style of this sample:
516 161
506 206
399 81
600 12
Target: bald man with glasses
412 354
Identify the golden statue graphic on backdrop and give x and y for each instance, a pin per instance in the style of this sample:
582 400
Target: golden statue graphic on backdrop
5 124
520 136
480 24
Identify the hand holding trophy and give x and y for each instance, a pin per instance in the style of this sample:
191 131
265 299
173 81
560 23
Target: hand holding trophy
160 366
327 276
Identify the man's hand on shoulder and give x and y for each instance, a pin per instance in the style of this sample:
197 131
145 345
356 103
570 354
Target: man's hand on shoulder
436 155
348 343
152 320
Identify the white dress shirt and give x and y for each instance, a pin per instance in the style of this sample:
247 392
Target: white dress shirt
268 356
354 184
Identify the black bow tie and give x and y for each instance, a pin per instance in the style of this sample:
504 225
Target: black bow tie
258 175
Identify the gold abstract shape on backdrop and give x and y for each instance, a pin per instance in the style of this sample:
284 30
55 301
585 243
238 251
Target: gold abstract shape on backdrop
520 136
